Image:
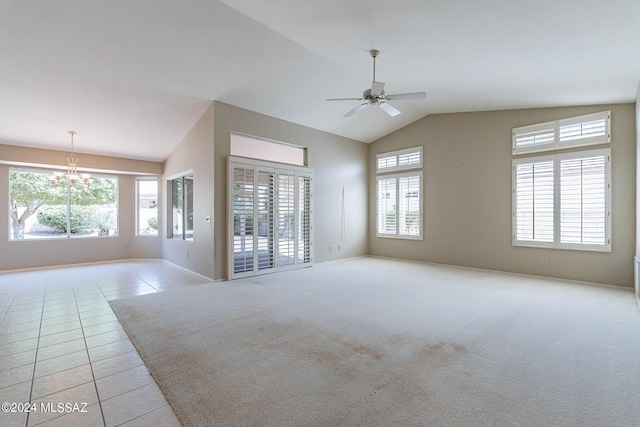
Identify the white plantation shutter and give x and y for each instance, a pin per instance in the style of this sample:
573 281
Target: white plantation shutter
286 219
585 130
584 200
409 211
304 220
410 158
534 201
399 210
399 195
534 138
387 205
563 201
265 253
398 160
573 132
387 162
243 220
270 218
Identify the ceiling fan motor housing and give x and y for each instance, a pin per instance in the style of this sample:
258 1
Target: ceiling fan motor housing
372 98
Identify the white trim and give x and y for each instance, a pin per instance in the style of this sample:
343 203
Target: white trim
136 204
266 164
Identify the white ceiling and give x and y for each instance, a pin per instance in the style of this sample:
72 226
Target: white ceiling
133 77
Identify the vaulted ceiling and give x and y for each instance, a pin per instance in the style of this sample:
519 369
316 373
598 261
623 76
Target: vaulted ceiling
132 77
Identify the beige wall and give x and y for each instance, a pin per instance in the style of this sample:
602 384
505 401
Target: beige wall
194 153
467 196
336 162
40 253
11 154
467 210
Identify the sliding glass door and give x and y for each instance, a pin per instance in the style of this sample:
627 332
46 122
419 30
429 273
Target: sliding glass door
270 218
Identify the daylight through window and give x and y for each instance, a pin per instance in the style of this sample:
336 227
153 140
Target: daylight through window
147 206
39 209
399 195
182 207
563 201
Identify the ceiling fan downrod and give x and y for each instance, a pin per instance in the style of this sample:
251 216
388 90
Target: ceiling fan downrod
374 53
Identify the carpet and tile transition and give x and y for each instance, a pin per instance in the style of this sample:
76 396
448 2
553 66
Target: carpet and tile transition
375 342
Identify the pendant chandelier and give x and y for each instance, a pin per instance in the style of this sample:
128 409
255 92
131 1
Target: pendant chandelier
72 177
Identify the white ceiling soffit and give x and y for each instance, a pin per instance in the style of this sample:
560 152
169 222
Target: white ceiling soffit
133 77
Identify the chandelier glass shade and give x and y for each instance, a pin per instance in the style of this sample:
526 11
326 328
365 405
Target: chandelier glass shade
72 176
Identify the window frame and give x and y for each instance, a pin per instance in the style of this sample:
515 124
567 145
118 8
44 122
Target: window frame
396 156
557 204
182 177
69 205
396 172
138 180
548 136
295 197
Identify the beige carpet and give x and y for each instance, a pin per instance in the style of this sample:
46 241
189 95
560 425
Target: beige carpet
374 342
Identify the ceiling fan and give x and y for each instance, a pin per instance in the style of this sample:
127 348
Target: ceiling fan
376 96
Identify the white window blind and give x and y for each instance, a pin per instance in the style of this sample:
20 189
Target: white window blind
399 160
576 131
563 201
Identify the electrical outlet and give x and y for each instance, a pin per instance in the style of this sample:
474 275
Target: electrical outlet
339 247
330 248
544 259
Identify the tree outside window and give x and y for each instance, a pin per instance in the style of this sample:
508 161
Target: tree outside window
40 209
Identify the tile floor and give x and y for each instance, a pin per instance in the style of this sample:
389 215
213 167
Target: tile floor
60 343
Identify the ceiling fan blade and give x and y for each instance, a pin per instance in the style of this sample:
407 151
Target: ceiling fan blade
389 109
376 88
413 95
345 99
355 110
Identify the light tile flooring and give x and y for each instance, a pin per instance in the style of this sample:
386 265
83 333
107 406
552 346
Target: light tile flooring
60 343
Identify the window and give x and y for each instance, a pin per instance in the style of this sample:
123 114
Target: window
147 207
399 195
39 209
265 149
398 160
572 132
563 201
182 207
270 218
